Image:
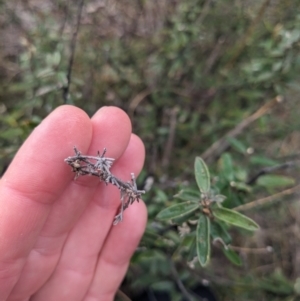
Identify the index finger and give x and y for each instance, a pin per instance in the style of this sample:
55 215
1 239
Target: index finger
32 183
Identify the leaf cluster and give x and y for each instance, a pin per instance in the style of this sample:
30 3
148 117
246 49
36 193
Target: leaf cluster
207 208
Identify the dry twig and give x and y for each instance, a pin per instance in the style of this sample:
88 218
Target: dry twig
66 89
267 200
180 284
222 144
171 137
136 101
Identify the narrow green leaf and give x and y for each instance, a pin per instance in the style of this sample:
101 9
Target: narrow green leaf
219 231
192 251
219 198
188 195
202 175
237 145
226 166
263 161
232 256
164 286
241 186
182 219
274 181
186 248
276 283
235 218
160 196
203 240
178 210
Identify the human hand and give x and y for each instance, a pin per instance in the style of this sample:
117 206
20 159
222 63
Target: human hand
57 241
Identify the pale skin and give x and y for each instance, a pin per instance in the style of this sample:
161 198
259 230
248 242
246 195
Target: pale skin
57 241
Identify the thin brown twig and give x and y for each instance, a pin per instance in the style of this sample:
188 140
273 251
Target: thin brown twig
204 12
267 200
215 54
222 144
136 101
264 250
181 92
180 285
66 89
171 137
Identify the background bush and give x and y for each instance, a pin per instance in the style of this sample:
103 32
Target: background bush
187 73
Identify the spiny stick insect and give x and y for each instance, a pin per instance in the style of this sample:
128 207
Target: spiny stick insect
99 166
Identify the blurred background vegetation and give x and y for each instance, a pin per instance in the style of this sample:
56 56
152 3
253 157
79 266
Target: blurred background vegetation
217 79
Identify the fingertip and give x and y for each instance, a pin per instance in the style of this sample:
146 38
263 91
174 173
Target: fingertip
112 130
70 125
110 114
139 146
45 149
113 110
132 160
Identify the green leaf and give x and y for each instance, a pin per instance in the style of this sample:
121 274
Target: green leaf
227 167
178 210
219 231
276 283
202 175
163 285
235 218
192 251
203 240
11 133
188 195
232 256
237 145
160 196
219 198
187 248
241 186
180 220
264 161
274 181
